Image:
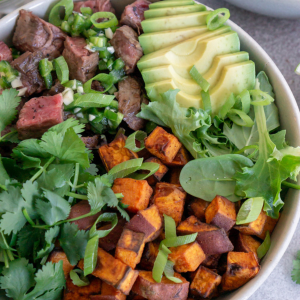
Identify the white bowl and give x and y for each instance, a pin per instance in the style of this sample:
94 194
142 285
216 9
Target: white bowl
274 8
290 120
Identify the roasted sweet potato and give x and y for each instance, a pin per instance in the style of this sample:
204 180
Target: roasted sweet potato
59 255
74 292
147 221
211 261
162 144
159 174
259 227
181 159
113 272
136 193
246 243
197 208
108 292
241 267
221 212
79 209
170 200
130 247
205 283
149 256
115 152
212 239
187 258
146 287
174 175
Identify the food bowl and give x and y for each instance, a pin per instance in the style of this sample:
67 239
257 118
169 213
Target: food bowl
290 120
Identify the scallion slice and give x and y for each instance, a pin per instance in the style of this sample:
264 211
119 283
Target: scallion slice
54 16
112 19
106 217
180 240
206 102
92 100
260 98
201 81
136 136
86 10
214 21
147 166
90 255
160 263
240 118
170 227
78 279
62 69
226 107
169 272
264 247
105 79
250 210
125 168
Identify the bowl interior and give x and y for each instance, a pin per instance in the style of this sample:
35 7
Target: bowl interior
290 120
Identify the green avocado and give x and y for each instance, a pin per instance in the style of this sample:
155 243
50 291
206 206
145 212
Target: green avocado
162 4
175 22
155 41
171 11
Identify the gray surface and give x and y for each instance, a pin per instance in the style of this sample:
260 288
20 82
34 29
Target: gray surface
281 40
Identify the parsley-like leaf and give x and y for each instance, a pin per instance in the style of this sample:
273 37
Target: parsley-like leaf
69 123
296 269
3 175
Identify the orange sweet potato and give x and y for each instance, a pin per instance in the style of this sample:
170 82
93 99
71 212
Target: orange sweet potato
159 174
162 144
205 283
146 287
113 272
108 292
211 261
174 175
221 212
130 247
181 159
59 255
149 256
136 193
197 208
170 200
246 243
241 267
115 152
147 221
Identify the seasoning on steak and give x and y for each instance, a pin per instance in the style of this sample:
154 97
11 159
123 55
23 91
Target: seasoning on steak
32 34
95 5
91 142
126 45
5 52
82 63
133 14
130 98
38 115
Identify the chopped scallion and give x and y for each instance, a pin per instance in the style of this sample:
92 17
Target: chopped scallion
62 69
201 81
112 19
214 21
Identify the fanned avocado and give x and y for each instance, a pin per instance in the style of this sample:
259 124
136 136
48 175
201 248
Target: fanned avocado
162 4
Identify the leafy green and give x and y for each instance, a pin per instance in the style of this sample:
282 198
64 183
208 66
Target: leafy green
264 247
296 269
78 279
250 210
3 175
125 168
131 141
147 166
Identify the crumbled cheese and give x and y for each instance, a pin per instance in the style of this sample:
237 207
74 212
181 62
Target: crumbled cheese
111 50
68 96
16 83
80 90
80 115
109 33
77 110
22 92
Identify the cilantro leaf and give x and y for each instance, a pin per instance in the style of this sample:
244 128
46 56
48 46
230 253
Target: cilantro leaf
73 241
28 162
296 269
14 171
69 123
3 175
8 103
56 209
32 147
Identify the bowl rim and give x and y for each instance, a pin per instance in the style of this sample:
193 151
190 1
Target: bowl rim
292 215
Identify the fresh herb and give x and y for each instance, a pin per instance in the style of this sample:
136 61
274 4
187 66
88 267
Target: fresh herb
296 269
250 210
78 278
264 247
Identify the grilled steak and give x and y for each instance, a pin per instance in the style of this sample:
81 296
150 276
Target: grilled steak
5 52
95 5
91 142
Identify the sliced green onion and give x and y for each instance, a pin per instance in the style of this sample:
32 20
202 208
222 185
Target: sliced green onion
240 118
117 75
170 227
147 166
199 79
102 65
104 53
112 19
65 26
264 247
62 69
297 70
79 23
89 33
48 81
136 136
125 168
9 72
206 102
260 98
78 279
4 83
169 272
92 100
214 21
118 64
227 107
160 263
86 10
54 16
245 99
110 115
106 80
98 41
106 217
90 255
180 240
250 210
45 67
110 63
115 123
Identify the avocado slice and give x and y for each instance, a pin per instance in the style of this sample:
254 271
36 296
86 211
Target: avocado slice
234 79
162 4
171 11
155 41
175 22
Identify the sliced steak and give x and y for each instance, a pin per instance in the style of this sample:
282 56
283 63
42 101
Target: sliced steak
82 63
5 52
126 45
57 88
32 34
133 14
96 85
38 115
95 5
91 142
130 98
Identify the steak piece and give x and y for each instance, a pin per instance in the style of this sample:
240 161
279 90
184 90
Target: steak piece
82 63
126 45
5 52
130 98
95 5
91 142
133 14
38 115
32 34
57 88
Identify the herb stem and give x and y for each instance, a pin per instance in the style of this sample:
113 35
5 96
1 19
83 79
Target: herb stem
75 219
37 175
291 185
6 262
77 196
27 217
75 182
6 135
13 240
10 255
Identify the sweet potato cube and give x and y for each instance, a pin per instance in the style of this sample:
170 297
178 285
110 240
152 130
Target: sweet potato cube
159 174
113 272
108 292
187 258
211 261
259 227
241 267
115 152
74 292
221 212
148 288
180 160
205 283
197 208
174 175
212 239
149 256
247 243
170 200
147 221
162 144
130 247
136 193
59 255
